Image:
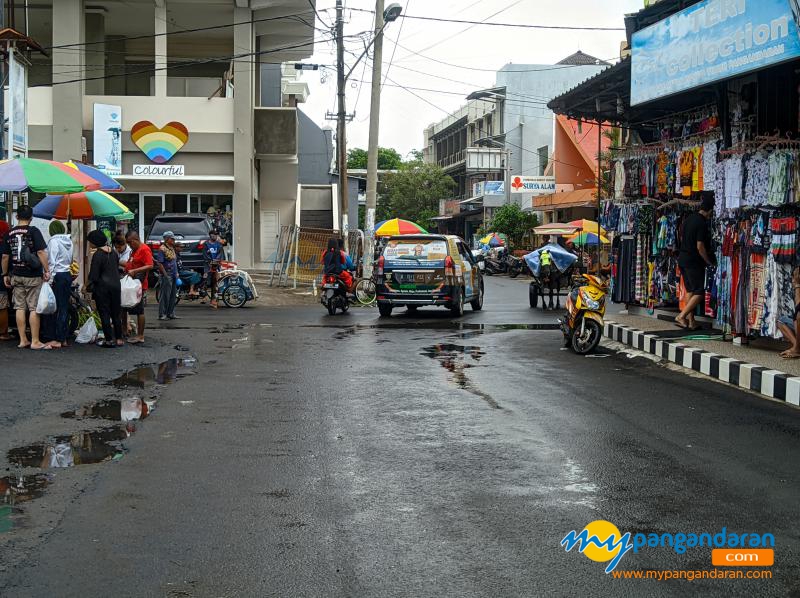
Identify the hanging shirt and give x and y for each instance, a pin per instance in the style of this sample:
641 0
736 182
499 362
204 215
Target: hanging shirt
619 179
687 173
709 166
697 173
733 182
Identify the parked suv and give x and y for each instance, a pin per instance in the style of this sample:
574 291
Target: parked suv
416 270
191 231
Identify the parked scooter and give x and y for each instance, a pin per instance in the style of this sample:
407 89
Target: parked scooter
334 294
586 305
495 266
515 266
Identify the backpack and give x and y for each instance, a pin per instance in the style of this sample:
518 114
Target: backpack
31 259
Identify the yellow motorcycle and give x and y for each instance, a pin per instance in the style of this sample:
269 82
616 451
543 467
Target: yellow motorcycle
586 305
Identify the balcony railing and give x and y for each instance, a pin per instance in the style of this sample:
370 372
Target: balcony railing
452 159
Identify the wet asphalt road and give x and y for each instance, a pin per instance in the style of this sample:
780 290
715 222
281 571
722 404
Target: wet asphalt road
352 456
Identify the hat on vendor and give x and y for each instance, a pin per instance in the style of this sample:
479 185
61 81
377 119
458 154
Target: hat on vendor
168 235
97 238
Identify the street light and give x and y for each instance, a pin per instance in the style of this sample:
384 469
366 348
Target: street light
389 15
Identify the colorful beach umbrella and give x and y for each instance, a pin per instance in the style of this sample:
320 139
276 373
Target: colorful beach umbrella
588 225
397 226
587 238
106 182
493 240
43 176
81 206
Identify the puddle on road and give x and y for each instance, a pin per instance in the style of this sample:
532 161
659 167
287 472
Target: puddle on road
22 488
454 358
126 410
165 372
82 448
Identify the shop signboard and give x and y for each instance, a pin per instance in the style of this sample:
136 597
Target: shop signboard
108 138
159 170
17 97
711 41
534 185
494 188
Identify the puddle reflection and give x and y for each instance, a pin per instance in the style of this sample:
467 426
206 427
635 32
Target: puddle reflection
126 410
453 358
82 448
17 489
165 372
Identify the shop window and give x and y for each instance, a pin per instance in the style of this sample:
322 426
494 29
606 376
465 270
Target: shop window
175 203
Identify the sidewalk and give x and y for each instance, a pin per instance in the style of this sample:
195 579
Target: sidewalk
756 366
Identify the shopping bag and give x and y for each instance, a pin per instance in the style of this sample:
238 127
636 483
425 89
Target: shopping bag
47 301
87 333
131 290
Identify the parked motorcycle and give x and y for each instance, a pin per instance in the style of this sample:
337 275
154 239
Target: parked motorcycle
515 266
494 266
334 294
582 325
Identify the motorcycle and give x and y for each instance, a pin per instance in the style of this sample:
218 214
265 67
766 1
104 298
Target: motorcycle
586 305
494 266
515 266
334 294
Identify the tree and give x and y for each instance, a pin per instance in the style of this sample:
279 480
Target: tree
388 158
414 192
513 222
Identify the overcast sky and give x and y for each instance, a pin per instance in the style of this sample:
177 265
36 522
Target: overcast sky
403 116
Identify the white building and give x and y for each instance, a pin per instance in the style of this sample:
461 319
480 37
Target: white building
138 57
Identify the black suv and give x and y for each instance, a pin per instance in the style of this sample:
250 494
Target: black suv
191 231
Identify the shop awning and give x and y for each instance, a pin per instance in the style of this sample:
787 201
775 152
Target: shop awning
569 199
556 228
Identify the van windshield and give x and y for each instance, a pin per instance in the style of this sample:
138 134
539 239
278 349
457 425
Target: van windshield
180 225
415 251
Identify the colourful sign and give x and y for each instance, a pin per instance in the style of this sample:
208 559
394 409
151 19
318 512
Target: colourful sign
159 145
710 41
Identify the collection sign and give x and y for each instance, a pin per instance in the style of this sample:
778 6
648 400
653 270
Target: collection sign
17 97
711 41
108 138
536 185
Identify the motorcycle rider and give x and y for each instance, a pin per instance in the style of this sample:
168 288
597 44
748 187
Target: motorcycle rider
334 262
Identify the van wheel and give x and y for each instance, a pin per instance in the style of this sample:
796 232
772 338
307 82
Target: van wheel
457 308
385 309
477 303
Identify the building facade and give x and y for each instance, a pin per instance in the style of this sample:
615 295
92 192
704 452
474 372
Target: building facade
168 93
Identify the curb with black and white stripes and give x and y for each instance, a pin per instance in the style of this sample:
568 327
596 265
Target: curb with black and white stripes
771 383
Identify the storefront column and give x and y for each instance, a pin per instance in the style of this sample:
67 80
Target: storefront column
95 56
244 241
67 65
161 49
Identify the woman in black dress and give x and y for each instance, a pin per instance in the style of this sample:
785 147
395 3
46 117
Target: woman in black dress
105 289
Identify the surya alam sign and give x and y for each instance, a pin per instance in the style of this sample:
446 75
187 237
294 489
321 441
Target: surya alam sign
711 41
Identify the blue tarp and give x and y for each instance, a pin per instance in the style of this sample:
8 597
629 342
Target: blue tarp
562 258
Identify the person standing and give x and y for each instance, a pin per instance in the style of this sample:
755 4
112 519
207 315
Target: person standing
4 290
105 289
213 254
25 269
167 262
694 256
138 266
123 251
59 253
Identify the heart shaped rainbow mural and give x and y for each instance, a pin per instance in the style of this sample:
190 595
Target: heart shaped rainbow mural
159 145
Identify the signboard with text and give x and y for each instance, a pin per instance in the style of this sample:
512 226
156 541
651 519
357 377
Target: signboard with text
18 110
711 41
536 185
159 170
107 137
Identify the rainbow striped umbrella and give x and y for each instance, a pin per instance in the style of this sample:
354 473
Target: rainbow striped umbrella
397 226
587 238
43 176
106 182
81 206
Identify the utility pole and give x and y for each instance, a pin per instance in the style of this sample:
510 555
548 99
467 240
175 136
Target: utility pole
341 116
372 151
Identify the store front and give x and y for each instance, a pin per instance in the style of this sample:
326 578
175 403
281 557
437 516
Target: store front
709 113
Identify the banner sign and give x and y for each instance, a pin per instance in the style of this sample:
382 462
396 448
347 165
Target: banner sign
711 41
108 138
159 170
18 113
536 185
494 188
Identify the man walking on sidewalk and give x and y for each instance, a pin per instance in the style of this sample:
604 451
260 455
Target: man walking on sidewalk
138 266
167 263
25 269
695 255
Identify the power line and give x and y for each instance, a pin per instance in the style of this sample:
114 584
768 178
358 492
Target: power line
516 25
176 66
394 49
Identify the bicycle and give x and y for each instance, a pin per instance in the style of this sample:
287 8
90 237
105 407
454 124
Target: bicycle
365 290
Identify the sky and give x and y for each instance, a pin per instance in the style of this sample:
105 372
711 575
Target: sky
474 53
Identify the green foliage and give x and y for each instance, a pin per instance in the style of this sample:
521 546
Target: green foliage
513 222
388 158
414 192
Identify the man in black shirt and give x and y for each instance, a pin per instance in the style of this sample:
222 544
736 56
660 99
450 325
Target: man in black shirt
695 255
24 269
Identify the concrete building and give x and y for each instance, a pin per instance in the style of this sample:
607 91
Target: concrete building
191 62
503 131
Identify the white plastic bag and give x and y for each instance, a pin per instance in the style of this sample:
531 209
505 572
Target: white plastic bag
131 292
47 301
87 333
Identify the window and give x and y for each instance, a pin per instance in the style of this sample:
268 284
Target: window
544 153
